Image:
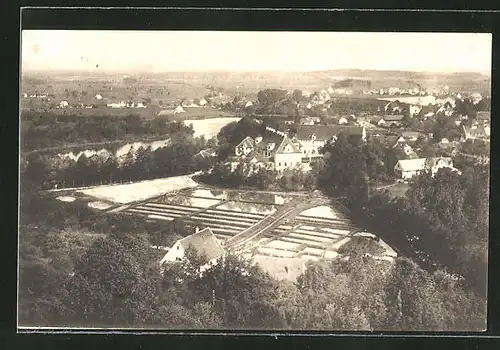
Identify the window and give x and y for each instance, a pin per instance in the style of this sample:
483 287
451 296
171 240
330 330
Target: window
279 164
178 259
178 247
285 163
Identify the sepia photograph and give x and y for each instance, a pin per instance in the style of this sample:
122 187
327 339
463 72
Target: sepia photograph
254 180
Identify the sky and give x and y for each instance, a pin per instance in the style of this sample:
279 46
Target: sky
163 51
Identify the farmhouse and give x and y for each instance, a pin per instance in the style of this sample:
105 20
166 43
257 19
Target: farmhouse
391 120
203 242
407 168
476 133
63 104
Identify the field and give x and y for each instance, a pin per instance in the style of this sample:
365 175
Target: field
318 233
138 191
168 89
147 113
209 127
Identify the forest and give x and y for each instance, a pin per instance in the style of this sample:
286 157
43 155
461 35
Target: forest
442 221
47 129
177 158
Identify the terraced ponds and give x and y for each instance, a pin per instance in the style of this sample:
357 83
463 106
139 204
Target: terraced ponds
314 234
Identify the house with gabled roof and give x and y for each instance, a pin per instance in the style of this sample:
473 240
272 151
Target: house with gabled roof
476 133
203 242
391 120
287 155
245 146
407 168
484 117
275 150
395 106
314 137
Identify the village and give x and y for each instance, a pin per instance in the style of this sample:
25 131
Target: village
296 143
323 199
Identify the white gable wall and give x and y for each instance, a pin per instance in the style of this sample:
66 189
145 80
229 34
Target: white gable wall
175 253
283 161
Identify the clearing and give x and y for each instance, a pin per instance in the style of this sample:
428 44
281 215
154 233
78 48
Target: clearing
138 191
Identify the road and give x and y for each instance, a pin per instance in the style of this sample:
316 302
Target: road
270 222
386 186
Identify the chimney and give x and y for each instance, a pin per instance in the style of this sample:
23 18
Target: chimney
197 229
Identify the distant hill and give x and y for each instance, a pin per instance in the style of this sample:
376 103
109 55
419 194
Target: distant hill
192 84
355 84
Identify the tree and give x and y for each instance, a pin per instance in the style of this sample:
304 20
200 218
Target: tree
110 287
345 171
240 293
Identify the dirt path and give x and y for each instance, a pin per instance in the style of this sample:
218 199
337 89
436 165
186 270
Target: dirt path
270 222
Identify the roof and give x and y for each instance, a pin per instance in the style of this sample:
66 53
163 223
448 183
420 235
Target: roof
396 117
269 138
204 154
204 242
256 155
325 132
483 115
476 132
410 134
286 141
421 163
411 164
248 140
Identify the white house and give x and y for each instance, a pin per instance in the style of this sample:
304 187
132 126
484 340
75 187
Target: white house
120 104
275 150
476 97
407 168
415 109
343 120
63 104
179 109
248 104
287 155
314 137
203 102
204 242
98 96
